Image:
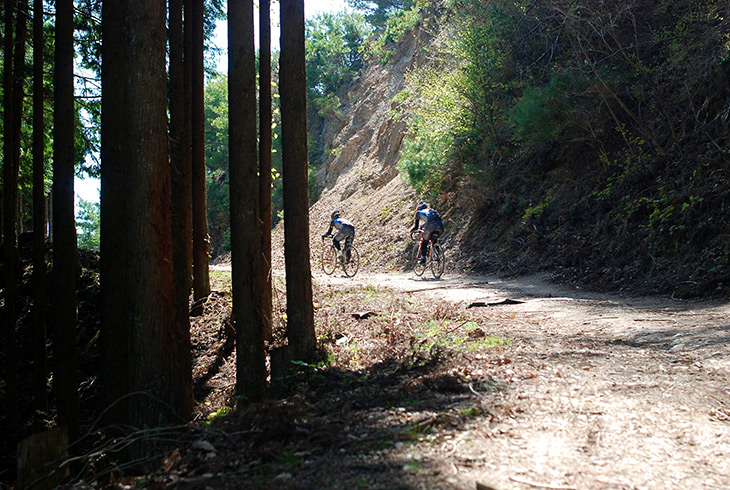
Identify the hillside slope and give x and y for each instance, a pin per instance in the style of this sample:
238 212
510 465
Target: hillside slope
359 176
590 212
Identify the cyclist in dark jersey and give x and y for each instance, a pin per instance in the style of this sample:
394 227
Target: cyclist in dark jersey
345 231
432 226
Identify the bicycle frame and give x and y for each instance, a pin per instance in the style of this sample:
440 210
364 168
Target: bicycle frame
427 255
436 263
347 258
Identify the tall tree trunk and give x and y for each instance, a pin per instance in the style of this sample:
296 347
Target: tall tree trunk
158 360
265 161
115 335
40 399
201 240
64 227
10 233
187 141
245 245
181 180
300 327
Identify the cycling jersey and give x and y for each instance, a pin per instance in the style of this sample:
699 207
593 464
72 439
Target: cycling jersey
431 222
341 224
432 226
345 230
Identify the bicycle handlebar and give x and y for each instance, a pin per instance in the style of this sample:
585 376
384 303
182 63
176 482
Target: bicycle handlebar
416 235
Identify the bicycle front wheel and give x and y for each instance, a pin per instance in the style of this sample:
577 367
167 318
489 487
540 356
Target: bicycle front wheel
438 261
353 264
329 260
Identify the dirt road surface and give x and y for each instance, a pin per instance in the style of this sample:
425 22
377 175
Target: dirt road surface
602 392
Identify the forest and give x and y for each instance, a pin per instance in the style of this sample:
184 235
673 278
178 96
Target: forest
585 140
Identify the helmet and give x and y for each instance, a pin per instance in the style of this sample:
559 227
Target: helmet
421 205
335 214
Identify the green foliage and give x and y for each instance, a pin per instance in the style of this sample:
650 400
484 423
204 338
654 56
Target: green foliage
212 417
542 113
534 212
334 56
440 334
378 12
399 23
87 225
84 143
315 189
488 75
216 161
460 101
422 162
216 119
439 124
608 117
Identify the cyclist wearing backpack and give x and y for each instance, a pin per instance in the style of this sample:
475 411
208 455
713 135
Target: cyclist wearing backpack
345 231
432 227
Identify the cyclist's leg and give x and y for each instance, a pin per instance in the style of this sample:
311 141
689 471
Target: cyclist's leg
428 232
435 229
434 237
422 250
348 241
336 241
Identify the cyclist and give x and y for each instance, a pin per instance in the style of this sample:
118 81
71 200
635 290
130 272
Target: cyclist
345 231
431 229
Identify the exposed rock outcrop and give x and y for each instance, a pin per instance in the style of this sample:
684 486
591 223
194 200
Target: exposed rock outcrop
360 175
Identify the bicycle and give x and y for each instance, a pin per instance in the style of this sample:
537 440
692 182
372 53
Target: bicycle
434 256
348 258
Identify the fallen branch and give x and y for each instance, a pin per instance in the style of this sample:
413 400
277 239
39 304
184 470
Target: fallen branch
426 289
362 315
506 301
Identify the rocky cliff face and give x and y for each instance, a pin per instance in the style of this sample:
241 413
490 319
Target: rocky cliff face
360 177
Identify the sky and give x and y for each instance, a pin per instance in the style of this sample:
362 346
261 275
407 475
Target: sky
311 9
88 189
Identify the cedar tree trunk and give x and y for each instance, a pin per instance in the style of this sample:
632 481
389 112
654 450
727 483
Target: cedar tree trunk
64 225
300 327
245 225
159 359
201 240
181 183
265 161
38 338
10 232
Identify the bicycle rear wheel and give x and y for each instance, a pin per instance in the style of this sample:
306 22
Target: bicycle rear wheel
329 260
438 261
350 267
419 269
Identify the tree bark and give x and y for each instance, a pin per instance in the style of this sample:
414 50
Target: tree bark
10 233
181 183
300 327
187 141
244 206
158 359
40 399
64 226
265 161
201 241
181 171
115 335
